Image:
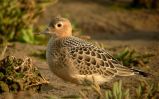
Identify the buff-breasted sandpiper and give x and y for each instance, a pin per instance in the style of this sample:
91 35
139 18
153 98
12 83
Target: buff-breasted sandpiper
76 60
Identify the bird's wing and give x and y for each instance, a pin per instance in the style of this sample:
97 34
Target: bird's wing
90 59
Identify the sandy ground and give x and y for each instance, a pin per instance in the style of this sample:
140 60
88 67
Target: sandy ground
59 88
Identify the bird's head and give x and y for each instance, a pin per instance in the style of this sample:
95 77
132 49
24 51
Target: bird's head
59 27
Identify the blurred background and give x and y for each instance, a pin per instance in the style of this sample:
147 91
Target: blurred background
128 29
100 19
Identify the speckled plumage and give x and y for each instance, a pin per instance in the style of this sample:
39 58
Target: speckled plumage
76 60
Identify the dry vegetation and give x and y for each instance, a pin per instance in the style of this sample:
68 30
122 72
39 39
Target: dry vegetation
19 75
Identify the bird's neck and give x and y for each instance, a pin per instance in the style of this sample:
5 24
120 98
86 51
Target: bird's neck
61 36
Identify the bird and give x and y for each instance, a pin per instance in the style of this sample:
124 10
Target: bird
76 60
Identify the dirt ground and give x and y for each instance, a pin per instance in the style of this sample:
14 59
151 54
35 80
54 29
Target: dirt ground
113 28
59 88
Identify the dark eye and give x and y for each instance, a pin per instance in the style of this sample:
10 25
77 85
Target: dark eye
59 25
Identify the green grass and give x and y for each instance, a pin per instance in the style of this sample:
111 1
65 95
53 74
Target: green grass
18 18
145 90
117 92
131 57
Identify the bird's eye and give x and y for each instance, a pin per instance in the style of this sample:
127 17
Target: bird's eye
58 25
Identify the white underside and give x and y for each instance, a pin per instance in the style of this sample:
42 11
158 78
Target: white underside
95 78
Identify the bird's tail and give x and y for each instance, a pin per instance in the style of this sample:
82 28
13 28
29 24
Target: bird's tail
125 71
139 72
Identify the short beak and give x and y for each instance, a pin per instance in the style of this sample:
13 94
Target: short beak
46 31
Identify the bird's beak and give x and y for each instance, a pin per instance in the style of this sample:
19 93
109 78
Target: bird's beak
46 31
